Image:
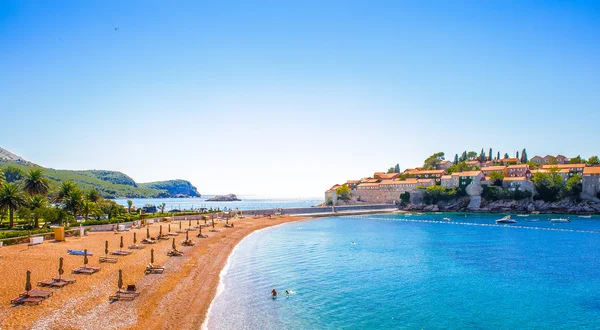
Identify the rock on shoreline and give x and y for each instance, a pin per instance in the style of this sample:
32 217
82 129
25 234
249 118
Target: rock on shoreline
224 198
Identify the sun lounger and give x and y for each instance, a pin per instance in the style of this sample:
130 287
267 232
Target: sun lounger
163 237
136 247
27 301
154 270
187 243
122 297
78 252
131 289
37 294
201 235
64 279
149 241
172 233
86 270
229 225
107 259
175 253
52 284
214 230
120 253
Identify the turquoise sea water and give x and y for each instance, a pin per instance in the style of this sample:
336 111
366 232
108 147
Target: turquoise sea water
417 272
244 204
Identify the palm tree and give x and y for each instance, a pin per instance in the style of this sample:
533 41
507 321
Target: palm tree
73 201
129 205
2 180
11 198
88 207
64 191
162 207
92 195
34 183
36 203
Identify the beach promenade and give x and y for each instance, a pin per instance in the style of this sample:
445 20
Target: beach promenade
178 298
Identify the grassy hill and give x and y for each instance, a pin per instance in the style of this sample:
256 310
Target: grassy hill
110 184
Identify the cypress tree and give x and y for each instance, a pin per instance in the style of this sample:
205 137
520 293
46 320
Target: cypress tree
490 157
456 159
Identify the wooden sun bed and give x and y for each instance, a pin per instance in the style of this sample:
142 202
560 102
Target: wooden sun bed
65 279
187 243
149 241
27 301
120 253
37 294
201 236
107 259
86 270
52 284
154 270
136 247
122 297
175 253
131 289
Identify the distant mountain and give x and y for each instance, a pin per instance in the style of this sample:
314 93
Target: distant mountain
7 155
110 184
176 188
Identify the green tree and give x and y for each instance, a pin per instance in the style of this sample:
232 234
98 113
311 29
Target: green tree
65 189
397 168
506 155
12 174
88 208
34 183
405 198
129 205
74 201
390 170
548 185
36 204
496 178
434 194
482 158
92 195
524 158
498 158
456 159
471 155
343 192
577 160
593 161
552 161
490 156
11 198
431 162
162 207
573 186
2 177
463 157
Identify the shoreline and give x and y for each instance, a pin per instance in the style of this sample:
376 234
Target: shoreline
182 295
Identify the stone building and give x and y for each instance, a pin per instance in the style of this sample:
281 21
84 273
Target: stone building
590 182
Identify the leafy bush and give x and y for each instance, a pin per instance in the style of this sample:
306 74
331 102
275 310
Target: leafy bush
23 233
405 197
498 193
434 194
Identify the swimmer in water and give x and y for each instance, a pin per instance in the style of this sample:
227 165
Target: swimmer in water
287 293
274 293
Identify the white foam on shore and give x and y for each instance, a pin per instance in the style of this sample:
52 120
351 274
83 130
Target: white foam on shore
221 286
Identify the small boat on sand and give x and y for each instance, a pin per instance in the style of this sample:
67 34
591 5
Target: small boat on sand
506 219
559 220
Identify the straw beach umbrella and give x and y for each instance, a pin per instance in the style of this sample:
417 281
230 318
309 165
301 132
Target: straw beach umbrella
85 258
120 280
60 268
106 248
189 223
134 239
148 232
28 282
173 245
121 245
152 256
187 236
213 223
160 231
179 225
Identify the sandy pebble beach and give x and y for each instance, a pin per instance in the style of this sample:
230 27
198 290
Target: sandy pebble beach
179 298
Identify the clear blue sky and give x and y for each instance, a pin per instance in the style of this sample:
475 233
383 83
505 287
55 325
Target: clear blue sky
279 99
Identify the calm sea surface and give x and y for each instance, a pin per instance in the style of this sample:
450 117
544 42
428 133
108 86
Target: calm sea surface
417 272
244 204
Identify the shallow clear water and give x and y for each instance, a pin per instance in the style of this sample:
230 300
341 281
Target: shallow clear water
244 204
414 272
